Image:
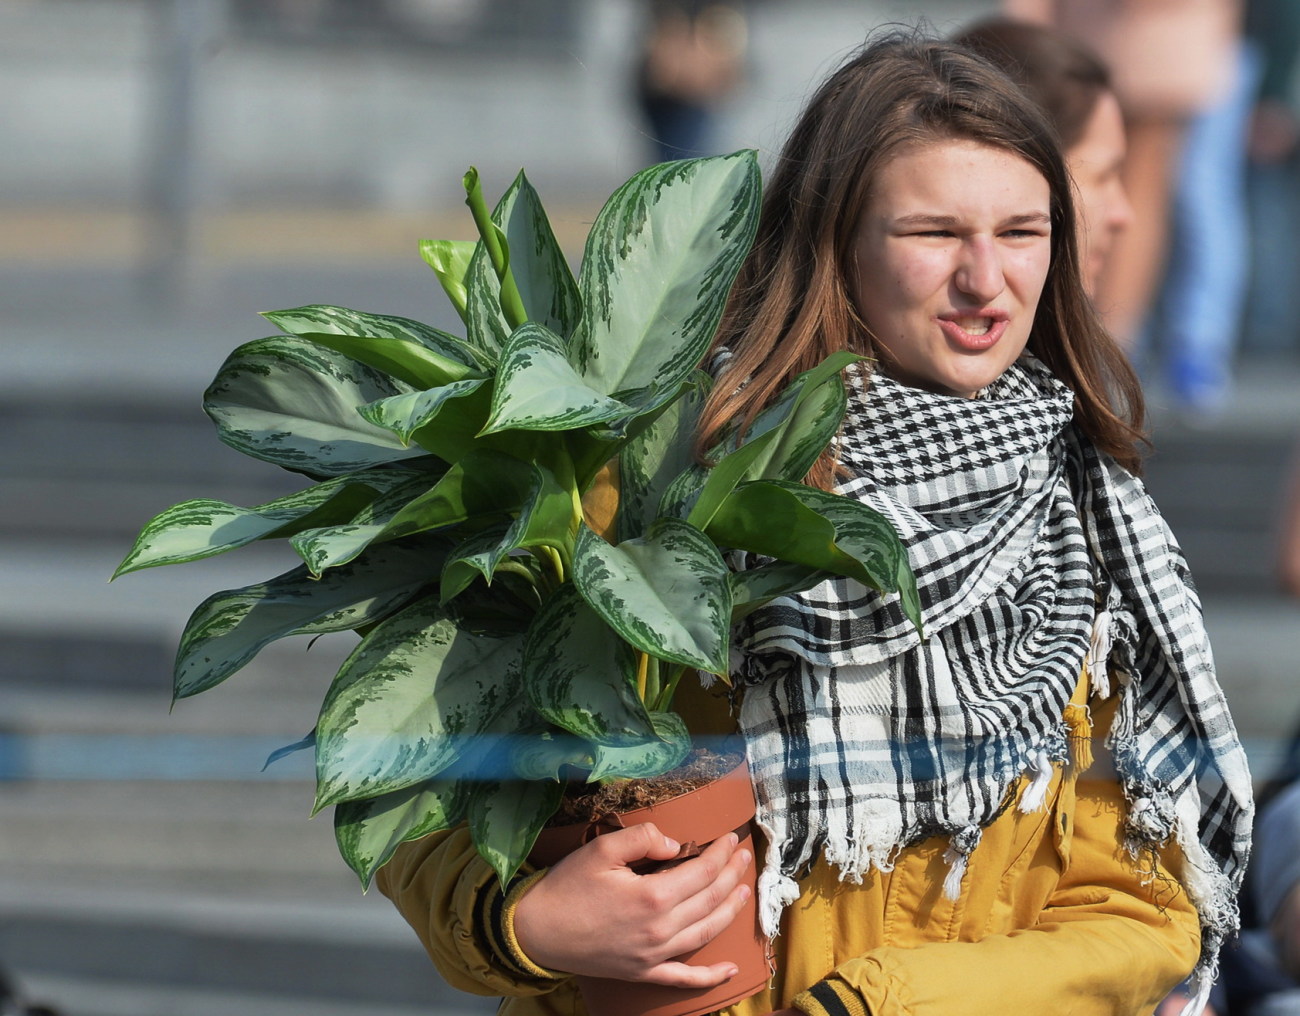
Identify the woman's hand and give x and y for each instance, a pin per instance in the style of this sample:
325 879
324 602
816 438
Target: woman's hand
591 914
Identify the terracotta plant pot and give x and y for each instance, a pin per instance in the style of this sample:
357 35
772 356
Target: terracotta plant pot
695 818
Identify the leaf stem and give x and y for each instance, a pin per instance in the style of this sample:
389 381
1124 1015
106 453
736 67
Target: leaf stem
652 686
665 699
642 668
498 250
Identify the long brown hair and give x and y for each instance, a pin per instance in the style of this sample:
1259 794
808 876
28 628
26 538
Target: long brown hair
791 306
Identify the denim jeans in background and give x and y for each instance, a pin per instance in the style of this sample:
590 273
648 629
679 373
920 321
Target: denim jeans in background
1198 313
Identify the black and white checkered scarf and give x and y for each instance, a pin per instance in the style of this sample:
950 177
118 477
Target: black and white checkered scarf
1034 554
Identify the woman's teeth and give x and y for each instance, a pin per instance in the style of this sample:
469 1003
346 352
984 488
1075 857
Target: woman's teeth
973 326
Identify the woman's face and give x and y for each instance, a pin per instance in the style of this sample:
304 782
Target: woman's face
952 255
1101 210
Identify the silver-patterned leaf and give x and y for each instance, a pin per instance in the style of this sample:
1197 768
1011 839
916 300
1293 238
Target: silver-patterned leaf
538 389
505 818
581 676
542 276
408 701
666 593
231 627
659 262
651 758
292 402
544 756
657 454
369 831
405 414
202 528
421 355
783 442
330 546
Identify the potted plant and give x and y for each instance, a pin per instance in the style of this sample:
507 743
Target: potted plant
509 639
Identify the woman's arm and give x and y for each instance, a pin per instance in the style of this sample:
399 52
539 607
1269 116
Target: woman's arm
1110 941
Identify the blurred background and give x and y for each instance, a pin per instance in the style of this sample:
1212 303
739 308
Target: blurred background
172 167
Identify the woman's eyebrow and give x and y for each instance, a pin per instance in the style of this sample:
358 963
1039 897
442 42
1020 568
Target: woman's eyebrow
927 219
938 221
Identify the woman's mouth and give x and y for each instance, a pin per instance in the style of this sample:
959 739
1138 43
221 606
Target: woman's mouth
973 332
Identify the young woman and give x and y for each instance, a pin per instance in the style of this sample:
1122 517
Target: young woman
939 838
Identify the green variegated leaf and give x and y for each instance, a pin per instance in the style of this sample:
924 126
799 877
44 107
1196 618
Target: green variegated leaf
784 440
547 516
659 262
753 587
661 451
483 484
537 265
544 756
292 402
580 676
449 260
477 557
330 546
666 593
642 761
538 389
369 831
405 414
803 525
795 430
229 628
408 701
505 818
202 528
416 353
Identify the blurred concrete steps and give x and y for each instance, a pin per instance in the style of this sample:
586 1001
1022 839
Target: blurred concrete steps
165 951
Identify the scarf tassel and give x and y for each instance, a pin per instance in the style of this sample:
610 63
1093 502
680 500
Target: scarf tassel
957 857
1034 796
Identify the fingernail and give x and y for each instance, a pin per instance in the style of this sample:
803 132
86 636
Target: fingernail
745 856
732 839
732 972
671 843
744 893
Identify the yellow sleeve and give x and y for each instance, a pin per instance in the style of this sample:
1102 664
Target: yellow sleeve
1110 942
453 900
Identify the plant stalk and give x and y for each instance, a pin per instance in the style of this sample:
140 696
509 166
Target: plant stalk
652 684
642 667
494 242
665 698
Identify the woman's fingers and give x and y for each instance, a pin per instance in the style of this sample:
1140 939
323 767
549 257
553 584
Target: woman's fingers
694 875
715 893
675 974
709 927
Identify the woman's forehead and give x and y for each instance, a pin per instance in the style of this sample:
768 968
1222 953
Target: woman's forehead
957 177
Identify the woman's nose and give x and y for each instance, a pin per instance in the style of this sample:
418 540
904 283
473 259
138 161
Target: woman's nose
979 275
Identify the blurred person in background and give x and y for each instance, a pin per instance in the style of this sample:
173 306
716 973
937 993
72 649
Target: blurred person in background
1072 86
1272 307
691 61
1273 27
1169 61
1193 331
1261 974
